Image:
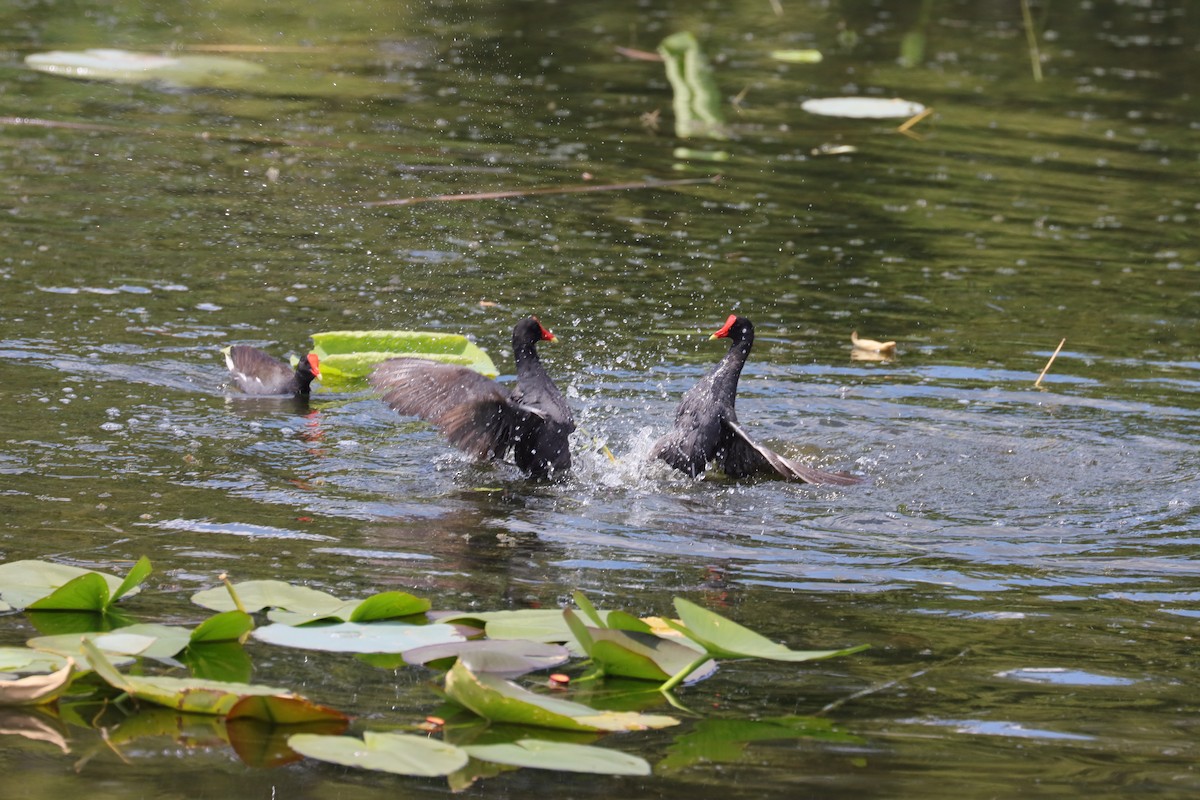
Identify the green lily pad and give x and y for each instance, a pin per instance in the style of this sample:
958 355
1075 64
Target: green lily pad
500 657
350 637
123 66
533 624
503 701
300 605
25 659
145 639
347 357
560 756
398 753
209 697
724 638
43 585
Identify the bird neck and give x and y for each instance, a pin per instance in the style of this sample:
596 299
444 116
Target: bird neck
725 376
528 362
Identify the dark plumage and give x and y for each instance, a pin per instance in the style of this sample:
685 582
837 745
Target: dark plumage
480 416
706 426
255 372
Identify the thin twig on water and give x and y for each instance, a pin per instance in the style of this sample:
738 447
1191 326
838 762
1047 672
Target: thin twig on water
1035 57
914 119
1037 384
576 189
879 687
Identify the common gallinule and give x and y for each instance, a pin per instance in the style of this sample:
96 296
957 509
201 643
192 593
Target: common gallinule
706 426
255 372
482 417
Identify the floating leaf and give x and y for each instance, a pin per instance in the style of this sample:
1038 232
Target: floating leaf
144 639
724 638
635 654
506 658
560 756
137 574
696 99
209 697
350 637
534 624
388 605
862 107
23 583
257 595
36 689
397 753
348 356
503 701
123 66
23 659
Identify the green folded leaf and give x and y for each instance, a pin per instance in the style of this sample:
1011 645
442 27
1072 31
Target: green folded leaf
397 753
224 627
388 605
138 573
87 592
22 583
560 756
503 701
634 654
724 638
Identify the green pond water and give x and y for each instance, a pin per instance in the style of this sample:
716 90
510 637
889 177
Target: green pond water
1022 561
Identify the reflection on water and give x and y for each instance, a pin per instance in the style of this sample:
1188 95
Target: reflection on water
1020 559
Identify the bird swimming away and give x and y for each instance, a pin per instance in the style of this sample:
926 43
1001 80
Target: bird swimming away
482 417
706 426
257 373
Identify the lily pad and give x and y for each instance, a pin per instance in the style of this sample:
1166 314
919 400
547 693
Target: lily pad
503 701
209 697
862 107
227 626
145 639
724 638
54 587
533 624
300 605
24 659
499 657
350 637
347 357
560 756
401 754
123 66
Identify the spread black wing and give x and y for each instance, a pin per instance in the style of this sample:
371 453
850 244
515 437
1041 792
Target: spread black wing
739 456
474 412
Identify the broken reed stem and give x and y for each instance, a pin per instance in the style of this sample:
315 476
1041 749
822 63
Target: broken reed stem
577 189
913 120
1035 57
1037 384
